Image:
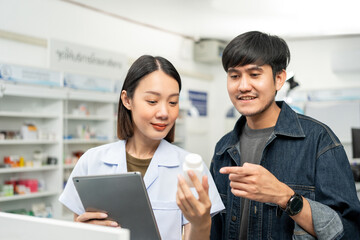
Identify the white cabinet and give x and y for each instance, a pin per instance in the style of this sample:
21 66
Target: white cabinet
65 121
68 122
88 122
40 110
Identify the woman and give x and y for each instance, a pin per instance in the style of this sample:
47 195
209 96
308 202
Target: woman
148 108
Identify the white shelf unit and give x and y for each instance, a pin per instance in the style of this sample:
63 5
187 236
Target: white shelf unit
89 111
93 110
55 111
43 107
97 116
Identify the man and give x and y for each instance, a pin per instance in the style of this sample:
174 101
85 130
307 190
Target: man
281 175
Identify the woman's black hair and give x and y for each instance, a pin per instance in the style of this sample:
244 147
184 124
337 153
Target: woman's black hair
142 67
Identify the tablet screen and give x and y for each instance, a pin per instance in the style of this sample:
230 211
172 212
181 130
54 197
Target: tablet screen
123 197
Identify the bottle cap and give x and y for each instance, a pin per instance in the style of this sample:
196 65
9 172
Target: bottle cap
193 160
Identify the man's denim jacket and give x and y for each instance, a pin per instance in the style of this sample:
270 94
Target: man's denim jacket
307 156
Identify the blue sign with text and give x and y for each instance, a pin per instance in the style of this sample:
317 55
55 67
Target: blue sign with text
199 101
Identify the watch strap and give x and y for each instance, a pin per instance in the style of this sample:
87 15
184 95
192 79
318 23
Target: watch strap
294 205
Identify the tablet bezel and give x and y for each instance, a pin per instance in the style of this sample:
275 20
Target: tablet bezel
123 197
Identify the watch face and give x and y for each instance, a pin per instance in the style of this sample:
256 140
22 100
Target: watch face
296 204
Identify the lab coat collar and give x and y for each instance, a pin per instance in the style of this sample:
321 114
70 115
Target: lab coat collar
116 155
165 156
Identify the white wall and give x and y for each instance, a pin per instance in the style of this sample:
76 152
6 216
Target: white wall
64 21
51 19
311 62
311 58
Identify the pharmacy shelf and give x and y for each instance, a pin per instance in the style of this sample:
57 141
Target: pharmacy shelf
27 142
29 169
57 111
69 166
42 106
85 114
28 196
91 96
86 117
27 115
23 90
85 141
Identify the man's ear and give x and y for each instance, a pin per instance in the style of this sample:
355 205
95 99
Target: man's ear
125 100
280 79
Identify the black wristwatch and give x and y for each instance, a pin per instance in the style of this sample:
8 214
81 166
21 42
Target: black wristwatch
294 205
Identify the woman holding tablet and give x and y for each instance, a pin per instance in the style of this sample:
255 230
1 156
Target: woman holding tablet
148 108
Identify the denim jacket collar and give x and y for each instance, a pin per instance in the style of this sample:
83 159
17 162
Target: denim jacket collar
287 125
288 122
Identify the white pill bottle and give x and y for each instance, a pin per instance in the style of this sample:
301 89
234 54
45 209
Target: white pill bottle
193 162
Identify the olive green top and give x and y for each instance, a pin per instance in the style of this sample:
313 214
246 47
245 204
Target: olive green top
137 164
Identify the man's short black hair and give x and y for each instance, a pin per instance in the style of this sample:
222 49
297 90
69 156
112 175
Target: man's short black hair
257 48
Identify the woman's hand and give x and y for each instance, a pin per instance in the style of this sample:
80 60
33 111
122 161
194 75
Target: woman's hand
97 218
197 211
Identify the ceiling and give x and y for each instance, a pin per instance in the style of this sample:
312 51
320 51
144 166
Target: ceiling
225 19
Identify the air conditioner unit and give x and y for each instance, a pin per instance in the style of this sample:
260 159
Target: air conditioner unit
346 61
209 50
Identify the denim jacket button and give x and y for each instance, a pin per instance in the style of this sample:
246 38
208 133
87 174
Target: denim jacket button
233 218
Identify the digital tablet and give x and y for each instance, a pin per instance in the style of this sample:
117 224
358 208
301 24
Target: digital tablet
123 197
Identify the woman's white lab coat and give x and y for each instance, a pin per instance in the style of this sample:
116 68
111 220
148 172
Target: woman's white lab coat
160 181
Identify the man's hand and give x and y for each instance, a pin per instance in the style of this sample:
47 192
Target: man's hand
255 182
